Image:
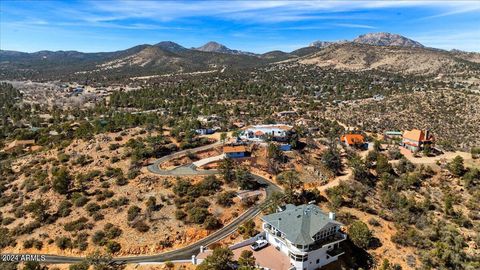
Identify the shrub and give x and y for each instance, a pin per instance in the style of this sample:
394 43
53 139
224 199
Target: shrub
197 215
456 167
151 204
201 202
63 242
39 209
83 160
99 238
112 231
7 221
77 225
180 215
113 247
113 146
80 201
33 243
133 212
141 226
212 223
5 238
360 234
225 199
79 266
81 242
92 208
64 209
27 229
209 185
62 181
247 229
62 157
98 216
121 181
132 173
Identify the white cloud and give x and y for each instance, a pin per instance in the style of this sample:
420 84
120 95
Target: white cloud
259 11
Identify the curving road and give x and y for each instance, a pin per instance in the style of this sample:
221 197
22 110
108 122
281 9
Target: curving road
183 170
186 253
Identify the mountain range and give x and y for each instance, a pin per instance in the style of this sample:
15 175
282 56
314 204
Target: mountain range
385 51
376 39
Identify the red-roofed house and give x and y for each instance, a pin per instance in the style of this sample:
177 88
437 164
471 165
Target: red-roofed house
353 140
416 140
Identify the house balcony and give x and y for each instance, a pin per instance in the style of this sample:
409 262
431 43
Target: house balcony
337 251
330 240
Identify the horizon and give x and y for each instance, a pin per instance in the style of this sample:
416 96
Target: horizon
258 27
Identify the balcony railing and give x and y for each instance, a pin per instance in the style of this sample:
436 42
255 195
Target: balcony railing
327 241
335 252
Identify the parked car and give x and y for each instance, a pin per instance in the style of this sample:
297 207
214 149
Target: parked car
259 244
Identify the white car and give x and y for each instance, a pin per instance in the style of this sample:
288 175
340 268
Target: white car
259 244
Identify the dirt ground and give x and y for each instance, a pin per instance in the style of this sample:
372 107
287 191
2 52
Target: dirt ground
163 224
447 156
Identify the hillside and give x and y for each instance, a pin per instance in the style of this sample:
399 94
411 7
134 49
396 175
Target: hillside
216 47
414 61
386 39
161 58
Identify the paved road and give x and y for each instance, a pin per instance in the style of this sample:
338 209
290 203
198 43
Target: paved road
186 253
183 170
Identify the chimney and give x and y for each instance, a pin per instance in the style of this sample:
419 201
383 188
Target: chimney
331 215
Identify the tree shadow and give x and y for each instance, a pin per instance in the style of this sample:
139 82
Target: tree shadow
355 257
374 243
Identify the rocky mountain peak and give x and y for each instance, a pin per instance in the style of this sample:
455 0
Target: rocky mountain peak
386 39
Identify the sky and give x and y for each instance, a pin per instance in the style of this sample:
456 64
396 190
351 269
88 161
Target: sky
256 26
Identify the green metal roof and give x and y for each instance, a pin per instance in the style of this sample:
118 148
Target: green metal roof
300 223
393 133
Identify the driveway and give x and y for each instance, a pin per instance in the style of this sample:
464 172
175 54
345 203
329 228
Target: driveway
186 253
183 170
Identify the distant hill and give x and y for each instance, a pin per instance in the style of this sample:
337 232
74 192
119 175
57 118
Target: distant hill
305 51
382 51
405 60
161 58
323 44
213 46
277 55
377 39
170 46
386 39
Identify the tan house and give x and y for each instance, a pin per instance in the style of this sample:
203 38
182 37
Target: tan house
416 140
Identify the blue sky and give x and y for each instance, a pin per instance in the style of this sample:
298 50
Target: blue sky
257 26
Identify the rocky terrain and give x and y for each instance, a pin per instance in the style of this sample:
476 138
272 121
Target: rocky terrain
403 60
377 39
386 39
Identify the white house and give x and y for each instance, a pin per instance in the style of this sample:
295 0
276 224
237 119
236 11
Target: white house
274 132
309 237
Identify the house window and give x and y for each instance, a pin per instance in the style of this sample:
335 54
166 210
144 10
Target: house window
299 258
